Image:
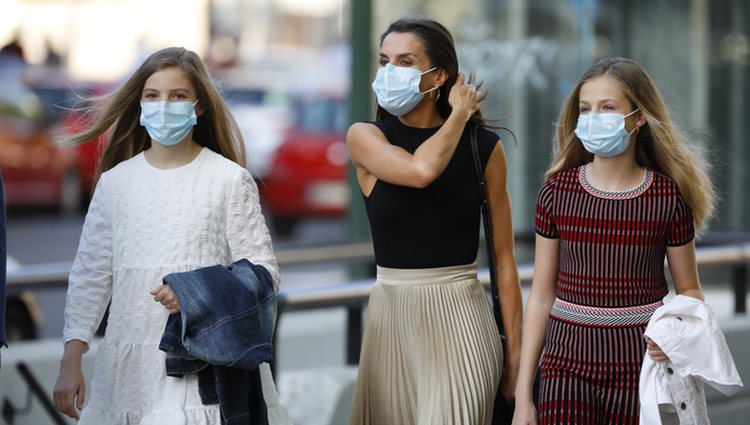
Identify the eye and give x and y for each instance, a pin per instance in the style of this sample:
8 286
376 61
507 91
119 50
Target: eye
608 108
405 62
583 109
149 96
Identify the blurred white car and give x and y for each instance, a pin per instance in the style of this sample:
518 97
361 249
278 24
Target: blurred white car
263 118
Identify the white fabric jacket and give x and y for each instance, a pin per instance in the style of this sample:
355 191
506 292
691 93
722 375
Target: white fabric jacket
671 391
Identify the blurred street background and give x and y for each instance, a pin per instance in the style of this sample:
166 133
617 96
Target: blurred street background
295 74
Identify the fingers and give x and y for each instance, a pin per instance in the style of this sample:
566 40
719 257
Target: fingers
655 352
158 289
81 398
459 80
64 401
165 296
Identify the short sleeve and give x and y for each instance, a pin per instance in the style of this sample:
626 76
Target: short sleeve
247 232
681 226
544 223
486 143
90 278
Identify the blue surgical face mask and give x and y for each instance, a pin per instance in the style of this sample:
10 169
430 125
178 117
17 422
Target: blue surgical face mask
397 88
168 123
604 134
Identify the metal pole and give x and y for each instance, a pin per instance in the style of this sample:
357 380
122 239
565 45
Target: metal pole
739 283
353 334
40 394
360 110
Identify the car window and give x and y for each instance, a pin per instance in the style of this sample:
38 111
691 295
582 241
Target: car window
237 97
323 115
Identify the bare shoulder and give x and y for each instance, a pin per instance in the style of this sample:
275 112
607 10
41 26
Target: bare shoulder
364 140
363 130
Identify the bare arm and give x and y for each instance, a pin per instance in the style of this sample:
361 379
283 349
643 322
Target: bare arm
375 158
684 270
505 260
70 389
538 306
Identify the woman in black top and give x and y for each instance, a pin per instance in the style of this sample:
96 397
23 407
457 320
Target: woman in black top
431 353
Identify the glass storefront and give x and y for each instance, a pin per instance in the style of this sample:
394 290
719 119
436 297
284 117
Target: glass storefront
529 53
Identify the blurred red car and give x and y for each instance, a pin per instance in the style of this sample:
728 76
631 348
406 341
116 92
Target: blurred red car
37 171
308 173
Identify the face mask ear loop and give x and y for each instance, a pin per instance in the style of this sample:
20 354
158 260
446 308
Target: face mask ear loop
434 88
637 127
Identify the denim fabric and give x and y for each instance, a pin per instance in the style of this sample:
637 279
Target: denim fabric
223 332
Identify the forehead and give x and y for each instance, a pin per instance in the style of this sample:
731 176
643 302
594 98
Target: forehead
600 88
171 78
399 43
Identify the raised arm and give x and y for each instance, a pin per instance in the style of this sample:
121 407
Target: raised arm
376 159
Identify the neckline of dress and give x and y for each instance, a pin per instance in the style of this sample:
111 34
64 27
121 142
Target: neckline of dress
583 178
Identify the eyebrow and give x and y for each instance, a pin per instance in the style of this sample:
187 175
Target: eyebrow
605 100
177 90
401 55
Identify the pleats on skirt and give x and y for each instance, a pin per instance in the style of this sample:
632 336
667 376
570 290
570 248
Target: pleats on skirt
431 353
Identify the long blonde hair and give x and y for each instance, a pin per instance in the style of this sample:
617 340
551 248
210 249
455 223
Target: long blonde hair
118 114
660 145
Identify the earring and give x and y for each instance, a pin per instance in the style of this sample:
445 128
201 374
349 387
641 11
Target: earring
437 96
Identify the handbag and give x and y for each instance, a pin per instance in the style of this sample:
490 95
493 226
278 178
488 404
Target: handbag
503 409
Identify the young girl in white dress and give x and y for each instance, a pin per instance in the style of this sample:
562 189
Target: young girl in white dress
172 196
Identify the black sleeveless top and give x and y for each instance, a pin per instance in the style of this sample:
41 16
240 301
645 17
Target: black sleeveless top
437 226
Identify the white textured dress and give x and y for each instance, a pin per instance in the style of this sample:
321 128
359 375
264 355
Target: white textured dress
144 223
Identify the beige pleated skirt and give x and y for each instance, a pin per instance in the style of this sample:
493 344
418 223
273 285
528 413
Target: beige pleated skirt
431 353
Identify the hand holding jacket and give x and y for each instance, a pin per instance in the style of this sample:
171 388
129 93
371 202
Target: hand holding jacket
165 295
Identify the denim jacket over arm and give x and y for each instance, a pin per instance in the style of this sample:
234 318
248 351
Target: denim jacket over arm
223 332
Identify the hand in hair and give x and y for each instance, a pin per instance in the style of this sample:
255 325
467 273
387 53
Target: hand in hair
465 98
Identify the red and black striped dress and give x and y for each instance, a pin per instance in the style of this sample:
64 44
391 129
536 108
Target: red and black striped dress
610 279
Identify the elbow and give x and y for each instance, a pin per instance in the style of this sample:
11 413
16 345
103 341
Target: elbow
424 176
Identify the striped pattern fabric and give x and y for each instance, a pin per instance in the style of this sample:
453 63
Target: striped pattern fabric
612 250
431 352
611 260
589 374
607 317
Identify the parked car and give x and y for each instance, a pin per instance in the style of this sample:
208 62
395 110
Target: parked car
263 115
67 102
308 174
35 169
37 108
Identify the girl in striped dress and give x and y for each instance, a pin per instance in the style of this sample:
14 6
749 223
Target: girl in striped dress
624 191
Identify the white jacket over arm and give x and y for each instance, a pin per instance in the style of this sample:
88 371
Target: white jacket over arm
671 392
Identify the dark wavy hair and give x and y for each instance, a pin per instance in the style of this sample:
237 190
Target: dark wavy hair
441 50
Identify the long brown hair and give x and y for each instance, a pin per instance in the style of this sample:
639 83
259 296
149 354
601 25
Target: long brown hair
660 145
118 114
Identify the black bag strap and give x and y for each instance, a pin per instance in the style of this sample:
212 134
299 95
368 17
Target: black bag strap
487 224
